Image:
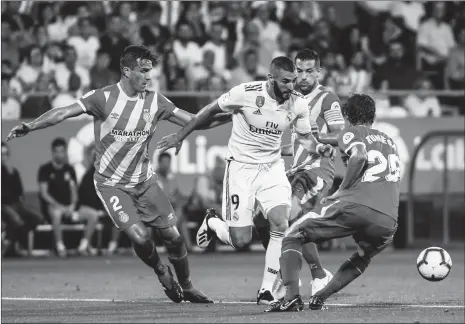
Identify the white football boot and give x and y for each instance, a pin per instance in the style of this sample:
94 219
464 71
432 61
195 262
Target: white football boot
317 284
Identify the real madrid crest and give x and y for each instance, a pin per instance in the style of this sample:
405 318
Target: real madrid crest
146 116
260 101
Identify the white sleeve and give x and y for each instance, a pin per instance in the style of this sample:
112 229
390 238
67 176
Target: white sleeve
302 123
232 100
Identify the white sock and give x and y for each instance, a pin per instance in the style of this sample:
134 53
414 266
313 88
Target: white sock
221 229
273 253
84 244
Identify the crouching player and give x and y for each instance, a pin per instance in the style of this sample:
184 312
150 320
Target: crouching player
365 207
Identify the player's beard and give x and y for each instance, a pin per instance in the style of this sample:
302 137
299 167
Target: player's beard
278 92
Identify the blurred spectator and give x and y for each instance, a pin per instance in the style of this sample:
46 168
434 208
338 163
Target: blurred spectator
410 11
321 40
454 74
11 109
395 74
90 207
435 40
10 49
152 31
39 101
41 36
249 71
85 44
186 50
30 69
191 15
423 105
359 77
250 41
217 46
340 78
70 96
169 185
330 16
268 31
174 75
352 41
112 42
53 54
100 74
201 73
58 191
56 22
64 70
284 44
292 21
126 13
16 214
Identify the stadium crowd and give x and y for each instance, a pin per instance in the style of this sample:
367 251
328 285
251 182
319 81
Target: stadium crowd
53 52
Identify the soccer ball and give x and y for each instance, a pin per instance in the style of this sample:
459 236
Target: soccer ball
434 263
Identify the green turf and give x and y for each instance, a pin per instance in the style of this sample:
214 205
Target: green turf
389 291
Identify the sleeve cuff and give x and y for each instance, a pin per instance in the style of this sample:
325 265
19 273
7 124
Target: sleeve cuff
82 106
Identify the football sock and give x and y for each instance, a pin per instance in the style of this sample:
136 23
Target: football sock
177 254
311 256
347 273
291 263
221 229
148 254
181 267
273 252
262 227
264 235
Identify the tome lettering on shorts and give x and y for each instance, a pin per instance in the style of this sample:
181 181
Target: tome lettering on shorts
145 202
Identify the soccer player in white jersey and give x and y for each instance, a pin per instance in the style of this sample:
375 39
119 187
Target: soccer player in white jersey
311 175
261 112
125 117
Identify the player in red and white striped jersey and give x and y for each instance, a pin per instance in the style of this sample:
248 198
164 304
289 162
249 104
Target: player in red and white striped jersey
125 117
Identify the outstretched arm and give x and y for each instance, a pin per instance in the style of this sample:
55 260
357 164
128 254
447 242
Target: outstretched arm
50 118
182 118
332 135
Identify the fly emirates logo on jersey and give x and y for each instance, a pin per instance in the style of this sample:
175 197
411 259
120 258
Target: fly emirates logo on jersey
270 129
130 136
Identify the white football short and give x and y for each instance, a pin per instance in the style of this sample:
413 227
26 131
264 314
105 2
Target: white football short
244 184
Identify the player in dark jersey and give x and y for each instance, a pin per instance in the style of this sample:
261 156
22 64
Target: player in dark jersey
125 118
365 207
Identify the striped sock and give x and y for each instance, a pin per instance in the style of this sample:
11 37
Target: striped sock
273 252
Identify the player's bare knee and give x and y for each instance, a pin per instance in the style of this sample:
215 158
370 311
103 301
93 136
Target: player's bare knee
138 234
279 218
241 237
175 246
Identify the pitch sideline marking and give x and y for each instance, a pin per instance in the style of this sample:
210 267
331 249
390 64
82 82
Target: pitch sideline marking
219 302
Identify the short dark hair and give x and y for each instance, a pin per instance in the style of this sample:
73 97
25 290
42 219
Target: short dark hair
282 62
164 155
360 109
308 55
134 52
57 142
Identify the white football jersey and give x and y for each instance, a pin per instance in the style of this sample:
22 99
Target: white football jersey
259 122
